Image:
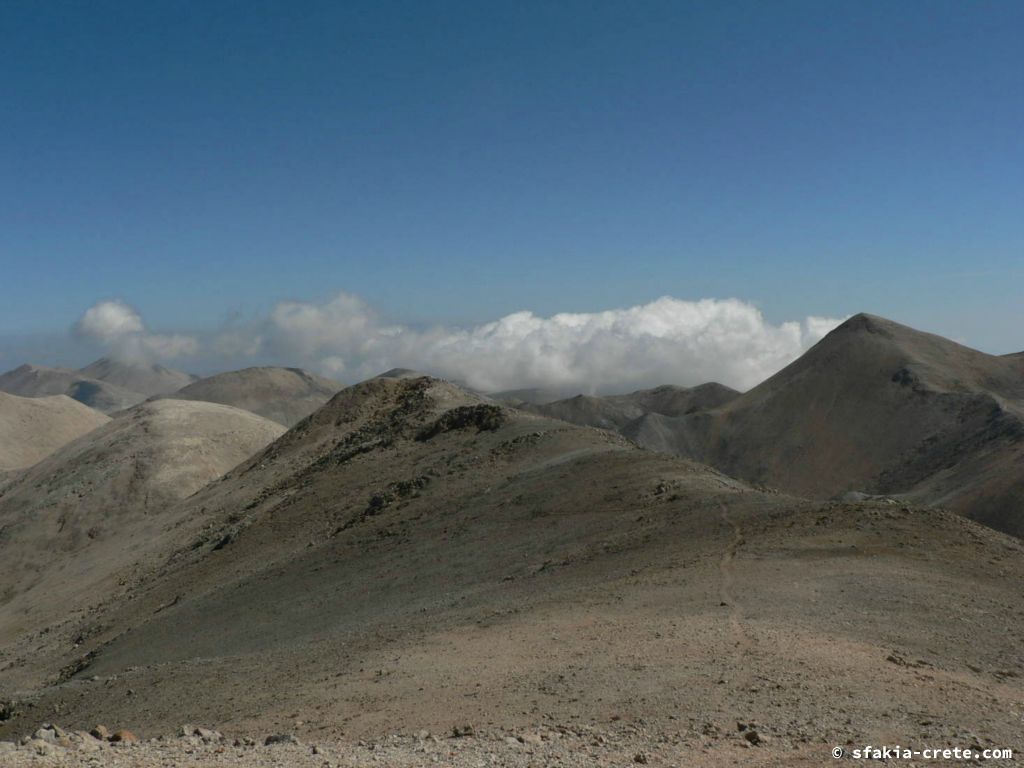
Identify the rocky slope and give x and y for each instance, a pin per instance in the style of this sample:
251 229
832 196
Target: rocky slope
71 521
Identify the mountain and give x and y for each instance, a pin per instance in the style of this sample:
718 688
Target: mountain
145 378
284 395
31 428
399 373
414 556
75 517
40 381
518 398
676 401
879 408
617 411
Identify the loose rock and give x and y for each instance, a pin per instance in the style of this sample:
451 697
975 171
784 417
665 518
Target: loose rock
280 738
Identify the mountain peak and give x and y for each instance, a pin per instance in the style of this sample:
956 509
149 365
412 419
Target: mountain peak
400 373
864 321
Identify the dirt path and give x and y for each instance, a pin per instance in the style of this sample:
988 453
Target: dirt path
737 664
741 639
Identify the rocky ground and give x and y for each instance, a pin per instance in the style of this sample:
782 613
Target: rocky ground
618 744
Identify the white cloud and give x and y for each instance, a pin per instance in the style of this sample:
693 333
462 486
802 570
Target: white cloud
118 327
665 341
108 321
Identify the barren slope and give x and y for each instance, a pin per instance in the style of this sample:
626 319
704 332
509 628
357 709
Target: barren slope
284 395
412 557
68 523
32 428
40 381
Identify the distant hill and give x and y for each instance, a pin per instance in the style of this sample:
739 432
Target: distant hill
145 378
284 395
85 508
618 411
31 428
532 396
40 381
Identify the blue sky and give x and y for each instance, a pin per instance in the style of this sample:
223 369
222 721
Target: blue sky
454 162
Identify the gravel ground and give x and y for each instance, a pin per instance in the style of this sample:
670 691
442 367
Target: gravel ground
630 745
536 748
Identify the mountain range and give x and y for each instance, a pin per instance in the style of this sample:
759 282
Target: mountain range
874 409
107 385
797 560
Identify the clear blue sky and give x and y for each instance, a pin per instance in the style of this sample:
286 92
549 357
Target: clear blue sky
453 161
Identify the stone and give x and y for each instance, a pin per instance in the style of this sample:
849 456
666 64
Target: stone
280 738
46 733
209 736
123 737
41 747
87 742
100 732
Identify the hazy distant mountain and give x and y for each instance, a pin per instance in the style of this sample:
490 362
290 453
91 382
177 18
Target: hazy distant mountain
32 428
617 411
285 395
146 378
415 554
399 373
531 395
39 381
676 401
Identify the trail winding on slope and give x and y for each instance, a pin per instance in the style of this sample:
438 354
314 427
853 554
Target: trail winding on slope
740 640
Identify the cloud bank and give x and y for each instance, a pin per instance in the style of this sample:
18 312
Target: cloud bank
118 328
667 341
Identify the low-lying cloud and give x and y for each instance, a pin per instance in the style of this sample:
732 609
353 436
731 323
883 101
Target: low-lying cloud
118 328
667 341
